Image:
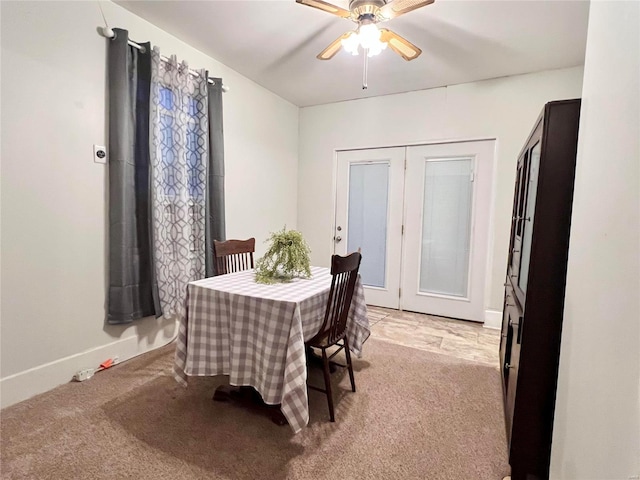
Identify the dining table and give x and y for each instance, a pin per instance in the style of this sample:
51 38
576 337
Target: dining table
255 333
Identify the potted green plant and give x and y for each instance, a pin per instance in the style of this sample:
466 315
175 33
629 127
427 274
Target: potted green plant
286 258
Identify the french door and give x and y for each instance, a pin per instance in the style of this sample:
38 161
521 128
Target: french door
420 215
369 215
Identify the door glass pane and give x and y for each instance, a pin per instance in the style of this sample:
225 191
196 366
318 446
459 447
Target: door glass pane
446 227
368 200
528 216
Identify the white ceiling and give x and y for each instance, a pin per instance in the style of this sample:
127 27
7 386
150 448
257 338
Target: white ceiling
275 43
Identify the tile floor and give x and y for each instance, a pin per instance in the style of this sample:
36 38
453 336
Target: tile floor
458 338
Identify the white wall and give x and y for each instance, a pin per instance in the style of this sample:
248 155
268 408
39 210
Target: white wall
504 108
53 195
597 425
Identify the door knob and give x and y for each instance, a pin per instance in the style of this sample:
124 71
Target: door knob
338 239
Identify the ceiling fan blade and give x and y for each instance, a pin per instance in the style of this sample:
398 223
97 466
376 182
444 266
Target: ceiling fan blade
401 46
326 7
395 8
331 50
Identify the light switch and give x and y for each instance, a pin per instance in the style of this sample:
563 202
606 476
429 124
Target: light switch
99 154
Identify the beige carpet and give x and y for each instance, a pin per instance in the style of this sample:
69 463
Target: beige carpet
415 415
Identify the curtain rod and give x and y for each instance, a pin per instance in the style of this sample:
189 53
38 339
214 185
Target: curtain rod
110 34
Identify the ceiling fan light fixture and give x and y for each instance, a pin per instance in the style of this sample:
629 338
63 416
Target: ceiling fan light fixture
368 37
376 49
351 43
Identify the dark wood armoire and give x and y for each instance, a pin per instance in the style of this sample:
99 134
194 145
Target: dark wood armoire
535 285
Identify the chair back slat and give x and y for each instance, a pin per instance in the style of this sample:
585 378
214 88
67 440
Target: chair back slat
233 255
344 271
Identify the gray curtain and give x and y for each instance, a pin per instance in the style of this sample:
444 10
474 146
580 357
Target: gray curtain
132 292
215 219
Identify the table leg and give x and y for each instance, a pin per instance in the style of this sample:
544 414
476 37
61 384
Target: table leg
248 397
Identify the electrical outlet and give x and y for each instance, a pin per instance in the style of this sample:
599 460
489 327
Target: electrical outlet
99 154
82 375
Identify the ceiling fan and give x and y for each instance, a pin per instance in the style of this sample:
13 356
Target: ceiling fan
367 13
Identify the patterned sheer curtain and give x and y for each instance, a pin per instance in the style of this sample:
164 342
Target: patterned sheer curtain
179 155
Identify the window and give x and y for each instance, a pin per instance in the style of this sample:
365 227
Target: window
168 109
184 171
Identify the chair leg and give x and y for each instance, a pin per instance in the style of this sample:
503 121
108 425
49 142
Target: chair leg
327 383
349 365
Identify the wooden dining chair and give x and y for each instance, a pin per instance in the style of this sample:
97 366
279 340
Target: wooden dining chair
344 271
233 255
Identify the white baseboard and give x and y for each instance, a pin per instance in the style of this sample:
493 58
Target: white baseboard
26 384
493 319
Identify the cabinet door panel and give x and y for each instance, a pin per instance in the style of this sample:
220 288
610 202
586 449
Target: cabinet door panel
508 300
518 214
511 361
529 211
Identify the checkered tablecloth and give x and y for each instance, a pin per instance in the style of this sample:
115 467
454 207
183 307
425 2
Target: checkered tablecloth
255 333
